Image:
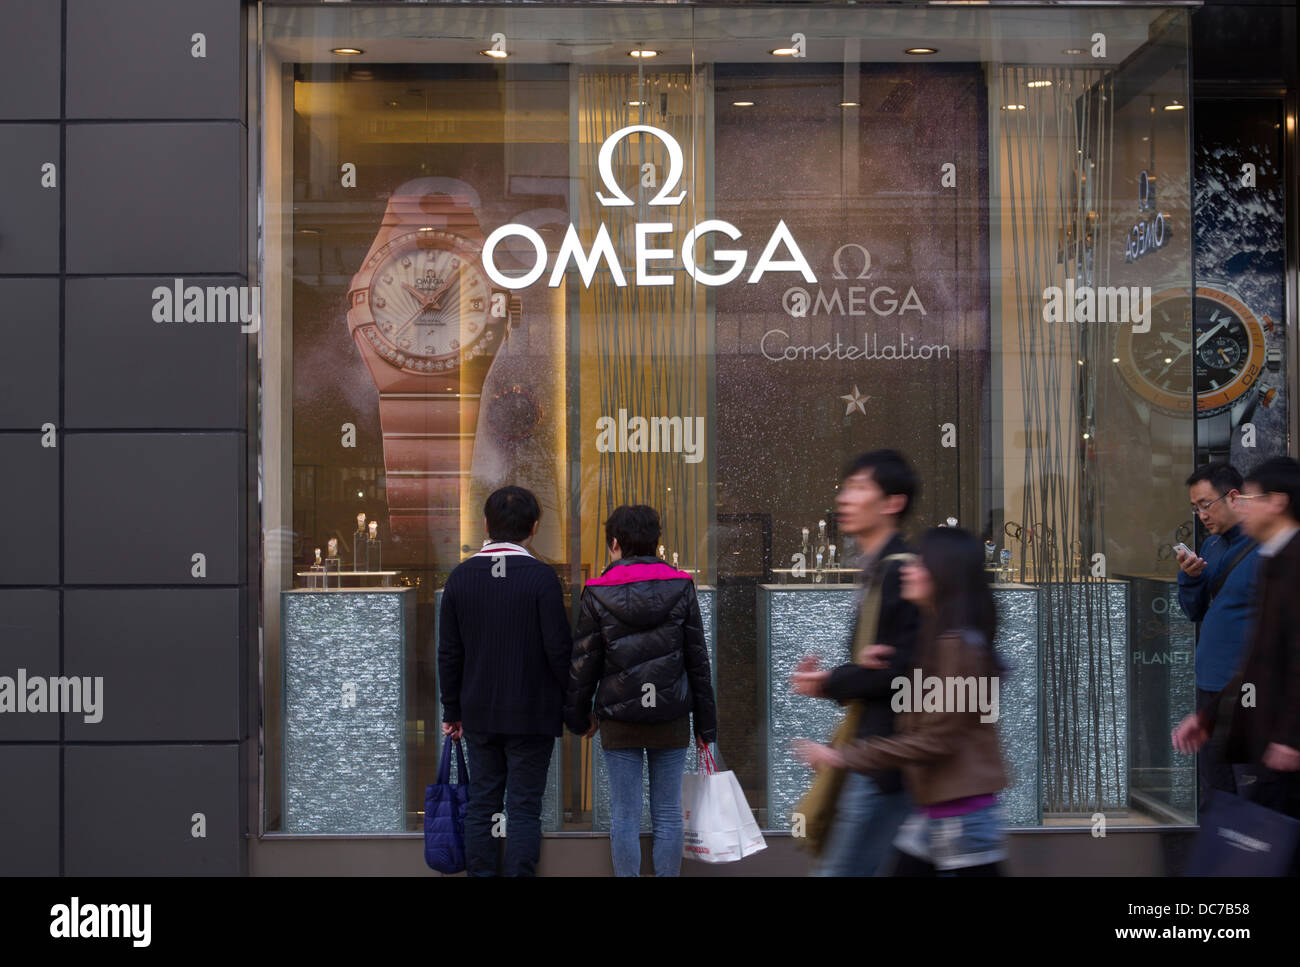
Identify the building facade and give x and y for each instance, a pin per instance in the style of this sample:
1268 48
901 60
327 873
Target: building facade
303 282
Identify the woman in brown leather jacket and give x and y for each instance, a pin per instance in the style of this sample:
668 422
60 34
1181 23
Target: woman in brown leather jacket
947 738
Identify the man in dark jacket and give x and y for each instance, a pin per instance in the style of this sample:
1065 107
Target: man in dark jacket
639 649
1263 699
876 494
503 661
1216 589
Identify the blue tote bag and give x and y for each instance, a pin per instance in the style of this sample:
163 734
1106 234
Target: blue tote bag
444 814
1242 838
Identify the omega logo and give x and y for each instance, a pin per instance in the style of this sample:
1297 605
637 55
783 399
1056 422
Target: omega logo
1150 233
645 249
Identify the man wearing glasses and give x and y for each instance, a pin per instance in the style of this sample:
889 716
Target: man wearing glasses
1217 589
1263 700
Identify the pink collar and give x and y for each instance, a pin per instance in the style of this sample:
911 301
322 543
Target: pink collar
640 571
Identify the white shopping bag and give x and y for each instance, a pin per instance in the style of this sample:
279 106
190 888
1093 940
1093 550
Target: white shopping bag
718 826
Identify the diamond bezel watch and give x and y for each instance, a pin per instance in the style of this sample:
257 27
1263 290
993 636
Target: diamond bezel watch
428 323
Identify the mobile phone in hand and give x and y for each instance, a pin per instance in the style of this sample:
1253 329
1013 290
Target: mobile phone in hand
1180 546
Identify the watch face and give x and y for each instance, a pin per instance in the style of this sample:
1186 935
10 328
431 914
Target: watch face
1223 346
431 305
1157 364
1230 350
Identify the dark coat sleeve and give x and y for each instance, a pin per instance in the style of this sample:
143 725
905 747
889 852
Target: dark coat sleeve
585 668
698 674
451 655
898 626
1287 731
554 623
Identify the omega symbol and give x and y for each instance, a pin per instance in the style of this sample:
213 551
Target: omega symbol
605 165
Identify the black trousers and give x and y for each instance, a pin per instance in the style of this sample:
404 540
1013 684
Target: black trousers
507 770
1211 771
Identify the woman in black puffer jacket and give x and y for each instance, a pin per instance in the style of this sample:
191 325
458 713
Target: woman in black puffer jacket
639 650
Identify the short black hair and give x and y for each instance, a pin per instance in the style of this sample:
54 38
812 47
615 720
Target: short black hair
1222 476
511 513
1279 475
635 527
891 472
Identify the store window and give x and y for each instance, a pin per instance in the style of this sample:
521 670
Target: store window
699 258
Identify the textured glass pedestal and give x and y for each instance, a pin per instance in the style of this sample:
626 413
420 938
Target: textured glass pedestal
344 695
1162 689
795 620
552 818
600 794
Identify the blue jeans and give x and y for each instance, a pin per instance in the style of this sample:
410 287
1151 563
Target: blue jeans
625 796
862 832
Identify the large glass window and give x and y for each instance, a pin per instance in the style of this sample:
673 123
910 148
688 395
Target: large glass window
698 258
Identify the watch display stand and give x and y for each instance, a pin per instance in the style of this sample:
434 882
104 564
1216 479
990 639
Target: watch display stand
358 539
795 619
335 565
374 554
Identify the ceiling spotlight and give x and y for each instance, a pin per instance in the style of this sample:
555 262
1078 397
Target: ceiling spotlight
1039 84
643 52
1173 106
1114 359
742 103
1072 50
920 51
635 103
493 52
1013 107
784 51
848 104
349 51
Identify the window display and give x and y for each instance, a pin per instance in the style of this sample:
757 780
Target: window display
705 280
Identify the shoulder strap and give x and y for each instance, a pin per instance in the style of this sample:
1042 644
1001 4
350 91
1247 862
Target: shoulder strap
869 611
1223 575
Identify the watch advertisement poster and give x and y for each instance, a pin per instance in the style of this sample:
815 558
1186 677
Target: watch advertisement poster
1241 332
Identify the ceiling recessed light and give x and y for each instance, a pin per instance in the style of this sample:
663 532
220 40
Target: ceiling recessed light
1013 107
308 231
784 51
1114 359
348 51
643 52
921 51
1173 106
493 52
635 103
1039 84
1072 50
742 103
848 104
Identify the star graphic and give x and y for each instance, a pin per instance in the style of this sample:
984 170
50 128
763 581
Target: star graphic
856 399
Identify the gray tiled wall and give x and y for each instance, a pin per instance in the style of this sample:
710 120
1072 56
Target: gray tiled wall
149 182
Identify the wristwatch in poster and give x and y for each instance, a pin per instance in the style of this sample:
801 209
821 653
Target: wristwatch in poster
1229 356
428 324
1232 362
1156 371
